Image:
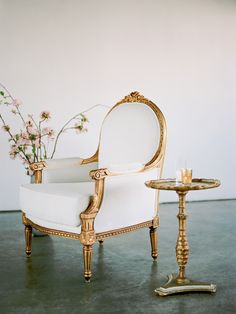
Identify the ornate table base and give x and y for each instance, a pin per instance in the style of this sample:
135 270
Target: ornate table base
180 283
187 285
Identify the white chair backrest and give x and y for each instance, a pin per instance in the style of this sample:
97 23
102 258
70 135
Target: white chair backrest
130 134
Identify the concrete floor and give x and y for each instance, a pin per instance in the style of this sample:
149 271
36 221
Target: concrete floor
124 275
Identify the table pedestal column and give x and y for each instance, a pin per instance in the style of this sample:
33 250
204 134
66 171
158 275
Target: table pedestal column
180 283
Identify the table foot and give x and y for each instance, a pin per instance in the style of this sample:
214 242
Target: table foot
173 286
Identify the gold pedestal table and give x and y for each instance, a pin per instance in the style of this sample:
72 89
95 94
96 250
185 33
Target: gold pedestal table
180 283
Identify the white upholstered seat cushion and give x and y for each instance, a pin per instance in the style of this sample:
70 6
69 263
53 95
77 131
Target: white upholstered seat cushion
59 203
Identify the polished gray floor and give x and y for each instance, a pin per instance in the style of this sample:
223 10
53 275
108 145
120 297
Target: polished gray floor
124 275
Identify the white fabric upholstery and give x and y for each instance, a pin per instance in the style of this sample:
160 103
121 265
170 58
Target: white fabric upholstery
125 168
58 203
67 170
62 163
130 133
126 201
129 139
52 225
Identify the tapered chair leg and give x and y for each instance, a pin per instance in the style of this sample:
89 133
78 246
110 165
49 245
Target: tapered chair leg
100 241
28 240
153 239
88 252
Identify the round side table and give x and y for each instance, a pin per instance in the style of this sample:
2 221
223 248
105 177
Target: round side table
180 283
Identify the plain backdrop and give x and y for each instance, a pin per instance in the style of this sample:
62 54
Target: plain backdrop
68 55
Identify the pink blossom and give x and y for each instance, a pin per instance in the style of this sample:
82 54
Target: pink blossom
45 115
48 131
17 103
37 143
25 135
29 124
14 149
32 131
21 141
13 152
12 156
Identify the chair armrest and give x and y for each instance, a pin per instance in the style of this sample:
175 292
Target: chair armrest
61 163
115 170
62 170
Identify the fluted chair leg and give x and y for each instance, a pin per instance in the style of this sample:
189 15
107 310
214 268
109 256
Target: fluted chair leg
153 239
28 240
88 252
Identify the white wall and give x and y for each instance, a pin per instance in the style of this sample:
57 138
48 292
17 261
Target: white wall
67 55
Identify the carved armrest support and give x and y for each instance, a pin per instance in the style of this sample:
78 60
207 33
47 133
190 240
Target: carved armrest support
99 174
37 168
88 236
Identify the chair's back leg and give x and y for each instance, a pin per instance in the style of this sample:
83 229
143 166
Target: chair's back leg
28 240
153 239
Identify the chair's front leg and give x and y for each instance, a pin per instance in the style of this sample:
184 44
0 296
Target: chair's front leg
88 252
153 239
28 240
88 236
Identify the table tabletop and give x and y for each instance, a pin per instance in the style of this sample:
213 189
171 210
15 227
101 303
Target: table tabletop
173 185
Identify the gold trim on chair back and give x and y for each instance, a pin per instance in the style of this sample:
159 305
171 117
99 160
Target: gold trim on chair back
135 97
157 159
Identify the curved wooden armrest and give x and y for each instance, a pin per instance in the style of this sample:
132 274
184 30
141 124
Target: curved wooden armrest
102 173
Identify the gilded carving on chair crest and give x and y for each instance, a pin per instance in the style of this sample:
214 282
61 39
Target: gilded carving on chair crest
134 97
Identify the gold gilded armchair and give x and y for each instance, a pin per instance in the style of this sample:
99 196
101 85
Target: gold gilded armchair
107 195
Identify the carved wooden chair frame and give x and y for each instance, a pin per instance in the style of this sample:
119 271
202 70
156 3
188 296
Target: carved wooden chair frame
88 236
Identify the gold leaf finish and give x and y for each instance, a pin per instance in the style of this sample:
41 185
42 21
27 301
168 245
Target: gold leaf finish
180 283
170 184
37 168
158 158
182 248
38 165
88 236
99 173
153 239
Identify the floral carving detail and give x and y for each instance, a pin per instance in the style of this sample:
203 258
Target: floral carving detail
87 237
155 222
99 174
38 166
135 97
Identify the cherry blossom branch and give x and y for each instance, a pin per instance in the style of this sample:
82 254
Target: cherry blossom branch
68 122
